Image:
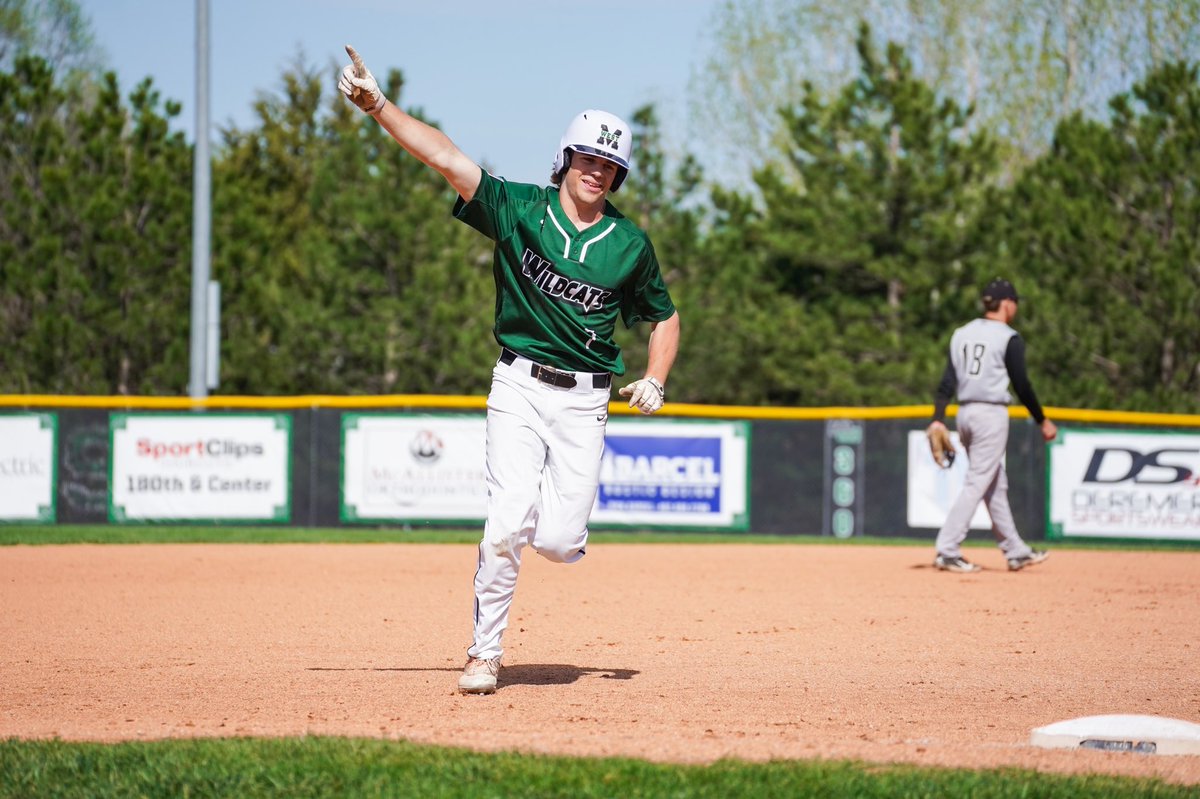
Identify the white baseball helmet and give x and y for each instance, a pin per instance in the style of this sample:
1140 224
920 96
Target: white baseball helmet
598 133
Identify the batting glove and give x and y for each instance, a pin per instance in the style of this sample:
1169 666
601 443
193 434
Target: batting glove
646 394
360 86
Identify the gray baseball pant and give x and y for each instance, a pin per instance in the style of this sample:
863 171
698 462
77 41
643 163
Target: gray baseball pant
983 431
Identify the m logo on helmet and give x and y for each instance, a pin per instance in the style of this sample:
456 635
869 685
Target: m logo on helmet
612 140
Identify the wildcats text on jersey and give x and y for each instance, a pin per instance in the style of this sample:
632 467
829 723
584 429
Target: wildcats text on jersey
549 282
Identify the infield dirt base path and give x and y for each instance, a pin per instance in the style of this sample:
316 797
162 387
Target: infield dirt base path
667 652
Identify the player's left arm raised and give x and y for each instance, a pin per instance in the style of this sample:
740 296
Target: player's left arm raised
649 393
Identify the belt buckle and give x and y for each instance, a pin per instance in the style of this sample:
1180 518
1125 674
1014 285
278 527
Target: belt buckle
548 374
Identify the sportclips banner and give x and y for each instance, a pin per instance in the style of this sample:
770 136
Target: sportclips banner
1123 484
675 474
27 467
418 468
200 467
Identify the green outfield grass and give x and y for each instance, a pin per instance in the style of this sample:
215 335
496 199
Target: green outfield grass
347 768
249 534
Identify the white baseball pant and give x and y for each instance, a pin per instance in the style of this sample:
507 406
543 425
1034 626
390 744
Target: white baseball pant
544 446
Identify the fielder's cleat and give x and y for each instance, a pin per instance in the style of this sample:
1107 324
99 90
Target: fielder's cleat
479 676
1033 558
956 564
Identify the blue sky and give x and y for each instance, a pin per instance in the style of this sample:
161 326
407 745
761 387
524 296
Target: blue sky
503 79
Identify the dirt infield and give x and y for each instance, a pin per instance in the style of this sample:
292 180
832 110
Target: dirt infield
665 651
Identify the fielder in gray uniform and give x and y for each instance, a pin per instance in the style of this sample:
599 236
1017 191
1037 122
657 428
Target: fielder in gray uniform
985 356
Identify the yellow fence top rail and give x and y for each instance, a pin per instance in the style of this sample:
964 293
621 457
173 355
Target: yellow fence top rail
461 403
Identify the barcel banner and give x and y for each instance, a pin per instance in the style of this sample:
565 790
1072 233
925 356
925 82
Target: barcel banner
209 467
675 474
1122 484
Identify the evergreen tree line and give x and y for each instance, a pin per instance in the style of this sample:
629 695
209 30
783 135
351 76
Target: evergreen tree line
836 279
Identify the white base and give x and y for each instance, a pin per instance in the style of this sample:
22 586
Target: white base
1144 734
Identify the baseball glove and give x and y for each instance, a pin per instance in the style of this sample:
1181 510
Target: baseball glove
939 444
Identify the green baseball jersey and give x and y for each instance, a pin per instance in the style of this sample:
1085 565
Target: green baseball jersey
558 290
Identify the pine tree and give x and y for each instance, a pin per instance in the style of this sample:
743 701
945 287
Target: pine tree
93 227
875 232
1105 231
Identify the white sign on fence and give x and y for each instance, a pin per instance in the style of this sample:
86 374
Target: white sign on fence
1125 484
412 468
200 467
27 467
932 489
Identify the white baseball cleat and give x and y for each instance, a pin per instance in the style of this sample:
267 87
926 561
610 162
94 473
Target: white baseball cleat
958 564
1033 558
479 676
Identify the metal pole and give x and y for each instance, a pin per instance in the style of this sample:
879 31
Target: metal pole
201 212
213 364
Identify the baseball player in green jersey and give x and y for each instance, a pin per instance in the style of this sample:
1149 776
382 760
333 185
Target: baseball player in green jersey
567 264
986 355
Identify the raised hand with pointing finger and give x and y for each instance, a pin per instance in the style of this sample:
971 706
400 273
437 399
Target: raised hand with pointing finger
360 86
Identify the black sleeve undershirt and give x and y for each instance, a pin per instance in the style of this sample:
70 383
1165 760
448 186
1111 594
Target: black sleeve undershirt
945 391
1014 362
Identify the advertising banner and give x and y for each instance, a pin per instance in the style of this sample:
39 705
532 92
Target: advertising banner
413 468
200 467
1124 484
675 474
416 468
932 489
28 484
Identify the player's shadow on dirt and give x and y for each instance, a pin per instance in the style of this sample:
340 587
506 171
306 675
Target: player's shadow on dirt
556 674
521 673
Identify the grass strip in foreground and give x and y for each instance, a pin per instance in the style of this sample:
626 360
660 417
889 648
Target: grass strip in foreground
352 767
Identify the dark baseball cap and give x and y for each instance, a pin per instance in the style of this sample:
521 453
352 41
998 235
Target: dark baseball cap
1000 289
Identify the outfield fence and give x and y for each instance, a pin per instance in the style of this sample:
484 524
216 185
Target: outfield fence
417 460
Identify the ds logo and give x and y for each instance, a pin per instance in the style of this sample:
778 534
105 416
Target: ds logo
1128 464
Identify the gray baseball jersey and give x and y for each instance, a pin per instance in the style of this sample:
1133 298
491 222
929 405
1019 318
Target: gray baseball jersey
977 350
983 354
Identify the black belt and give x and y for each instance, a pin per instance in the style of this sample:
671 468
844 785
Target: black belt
555 377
